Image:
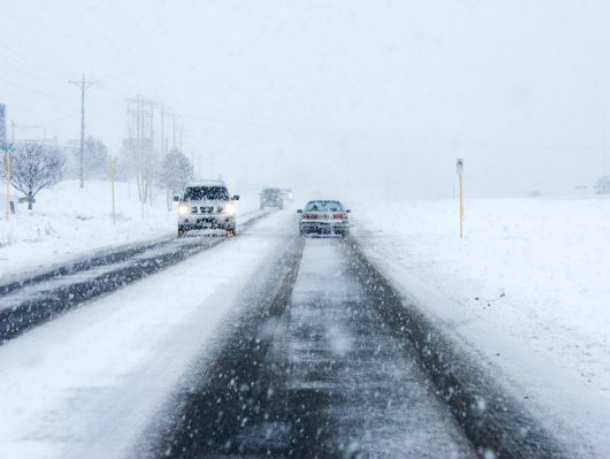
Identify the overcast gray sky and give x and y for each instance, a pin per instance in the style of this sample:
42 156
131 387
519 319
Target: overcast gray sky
331 95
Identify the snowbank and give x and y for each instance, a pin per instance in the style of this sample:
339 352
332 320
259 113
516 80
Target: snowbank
67 222
528 290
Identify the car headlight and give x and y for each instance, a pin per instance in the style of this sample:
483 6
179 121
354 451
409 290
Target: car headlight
230 209
184 209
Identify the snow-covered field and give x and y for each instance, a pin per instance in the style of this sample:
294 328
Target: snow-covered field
67 222
528 291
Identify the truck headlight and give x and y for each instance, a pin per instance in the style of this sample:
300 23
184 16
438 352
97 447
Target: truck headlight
184 209
230 209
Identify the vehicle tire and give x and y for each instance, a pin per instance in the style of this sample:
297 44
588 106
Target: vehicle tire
231 232
181 231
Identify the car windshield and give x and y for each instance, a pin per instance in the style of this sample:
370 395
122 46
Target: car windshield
324 206
204 193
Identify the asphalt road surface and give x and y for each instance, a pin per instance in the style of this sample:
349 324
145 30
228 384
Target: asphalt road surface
315 373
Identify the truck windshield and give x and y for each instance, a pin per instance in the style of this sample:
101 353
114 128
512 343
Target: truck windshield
324 206
205 193
271 193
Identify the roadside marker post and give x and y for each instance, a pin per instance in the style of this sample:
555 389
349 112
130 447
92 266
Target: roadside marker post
460 173
112 181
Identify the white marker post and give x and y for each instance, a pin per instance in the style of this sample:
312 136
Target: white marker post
112 181
460 173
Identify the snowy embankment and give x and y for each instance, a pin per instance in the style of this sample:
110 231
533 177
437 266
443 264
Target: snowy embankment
89 382
67 222
527 292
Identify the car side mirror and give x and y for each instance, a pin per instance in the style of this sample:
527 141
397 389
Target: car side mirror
177 198
299 211
348 211
235 197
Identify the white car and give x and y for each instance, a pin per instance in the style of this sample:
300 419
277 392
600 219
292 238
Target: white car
206 205
324 218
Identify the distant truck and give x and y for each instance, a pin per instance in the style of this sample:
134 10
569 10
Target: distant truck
271 197
287 195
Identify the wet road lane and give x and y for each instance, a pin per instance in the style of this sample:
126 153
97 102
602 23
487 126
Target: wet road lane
316 374
379 402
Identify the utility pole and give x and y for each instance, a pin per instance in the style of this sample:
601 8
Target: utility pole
84 85
174 131
162 108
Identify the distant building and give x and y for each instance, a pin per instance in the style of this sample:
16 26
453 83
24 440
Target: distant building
2 125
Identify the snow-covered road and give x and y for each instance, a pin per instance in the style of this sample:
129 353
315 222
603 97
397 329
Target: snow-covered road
318 375
230 352
380 403
33 300
87 383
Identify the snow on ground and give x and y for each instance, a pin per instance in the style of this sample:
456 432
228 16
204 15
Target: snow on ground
67 222
87 383
528 290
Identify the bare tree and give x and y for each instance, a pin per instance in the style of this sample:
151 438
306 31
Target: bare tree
35 167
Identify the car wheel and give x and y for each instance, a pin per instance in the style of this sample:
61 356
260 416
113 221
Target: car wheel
181 231
231 232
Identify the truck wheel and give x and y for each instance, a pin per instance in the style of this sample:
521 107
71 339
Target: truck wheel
181 231
231 232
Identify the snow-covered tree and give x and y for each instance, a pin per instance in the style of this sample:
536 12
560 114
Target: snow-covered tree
175 172
127 160
96 158
34 167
